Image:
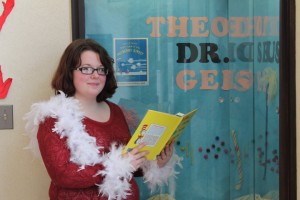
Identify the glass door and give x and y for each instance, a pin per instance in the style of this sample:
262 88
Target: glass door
254 99
221 57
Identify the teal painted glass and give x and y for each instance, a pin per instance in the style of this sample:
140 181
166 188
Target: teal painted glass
218 56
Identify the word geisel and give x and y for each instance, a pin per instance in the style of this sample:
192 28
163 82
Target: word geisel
214 80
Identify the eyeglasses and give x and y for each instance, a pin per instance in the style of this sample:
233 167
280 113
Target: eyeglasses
90 70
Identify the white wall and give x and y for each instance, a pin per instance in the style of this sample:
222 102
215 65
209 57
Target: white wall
31 42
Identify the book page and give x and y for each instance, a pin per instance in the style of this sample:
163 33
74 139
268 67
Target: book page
151 135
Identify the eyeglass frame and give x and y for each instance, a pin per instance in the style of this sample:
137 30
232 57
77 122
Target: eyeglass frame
104 70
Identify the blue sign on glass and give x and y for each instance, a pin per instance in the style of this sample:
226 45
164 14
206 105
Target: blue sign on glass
131 61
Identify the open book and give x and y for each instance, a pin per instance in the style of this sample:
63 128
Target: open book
157 129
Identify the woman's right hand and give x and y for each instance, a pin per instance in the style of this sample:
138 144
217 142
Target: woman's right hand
138 157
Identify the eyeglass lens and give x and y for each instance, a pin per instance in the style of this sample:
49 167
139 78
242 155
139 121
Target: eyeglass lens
90 70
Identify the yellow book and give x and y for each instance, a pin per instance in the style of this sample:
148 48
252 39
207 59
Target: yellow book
156 129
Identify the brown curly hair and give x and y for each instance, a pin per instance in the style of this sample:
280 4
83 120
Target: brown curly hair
70 60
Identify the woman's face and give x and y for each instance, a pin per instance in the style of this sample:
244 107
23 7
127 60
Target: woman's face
88 86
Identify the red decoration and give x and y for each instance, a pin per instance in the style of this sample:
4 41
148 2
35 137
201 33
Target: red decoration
8 6
4 86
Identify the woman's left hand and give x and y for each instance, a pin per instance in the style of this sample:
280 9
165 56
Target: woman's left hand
165 155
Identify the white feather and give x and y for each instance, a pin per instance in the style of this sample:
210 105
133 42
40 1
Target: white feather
117 174
83 148
156 177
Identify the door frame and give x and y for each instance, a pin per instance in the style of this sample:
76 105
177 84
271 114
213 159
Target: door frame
287 102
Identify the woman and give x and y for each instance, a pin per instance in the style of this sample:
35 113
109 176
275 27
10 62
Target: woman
80 134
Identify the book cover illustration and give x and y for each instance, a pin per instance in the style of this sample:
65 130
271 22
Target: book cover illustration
157 129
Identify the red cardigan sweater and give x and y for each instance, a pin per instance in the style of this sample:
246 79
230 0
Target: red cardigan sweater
67 181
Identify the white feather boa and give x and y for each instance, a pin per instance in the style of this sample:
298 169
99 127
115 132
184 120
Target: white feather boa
156 177
117 173
84 150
